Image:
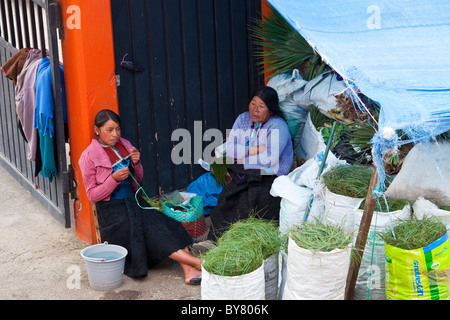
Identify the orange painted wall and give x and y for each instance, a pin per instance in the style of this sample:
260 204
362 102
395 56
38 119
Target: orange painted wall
265 10
88 55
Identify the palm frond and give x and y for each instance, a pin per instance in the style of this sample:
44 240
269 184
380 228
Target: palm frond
282 48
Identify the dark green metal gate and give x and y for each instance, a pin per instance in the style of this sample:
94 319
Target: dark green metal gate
194 65
33 23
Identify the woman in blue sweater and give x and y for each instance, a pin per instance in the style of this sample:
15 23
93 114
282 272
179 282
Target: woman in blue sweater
261 146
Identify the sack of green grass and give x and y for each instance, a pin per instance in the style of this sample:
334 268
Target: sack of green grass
370 283
244 264
345 187
318 259
417 260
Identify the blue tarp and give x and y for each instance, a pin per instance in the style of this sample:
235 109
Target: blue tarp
395 52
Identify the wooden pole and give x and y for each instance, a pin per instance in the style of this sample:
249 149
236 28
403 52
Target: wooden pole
361 239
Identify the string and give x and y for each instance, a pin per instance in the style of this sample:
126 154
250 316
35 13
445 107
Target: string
148 198
137 183
373 251
153 206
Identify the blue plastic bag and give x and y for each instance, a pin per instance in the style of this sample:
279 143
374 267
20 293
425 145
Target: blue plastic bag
206 187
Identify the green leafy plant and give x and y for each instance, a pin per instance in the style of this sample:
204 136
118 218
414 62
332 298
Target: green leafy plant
282 48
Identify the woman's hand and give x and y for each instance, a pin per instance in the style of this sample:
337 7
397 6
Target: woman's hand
121 174
135 156
254 150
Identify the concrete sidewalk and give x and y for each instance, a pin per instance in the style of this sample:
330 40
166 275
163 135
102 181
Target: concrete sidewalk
40 259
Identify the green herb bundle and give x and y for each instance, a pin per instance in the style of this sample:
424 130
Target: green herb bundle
320 237
318 119
415 233
348 180
219 169
243 248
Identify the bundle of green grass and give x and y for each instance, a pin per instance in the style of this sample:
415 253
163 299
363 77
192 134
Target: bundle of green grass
348 180
321 237
414 233
243 247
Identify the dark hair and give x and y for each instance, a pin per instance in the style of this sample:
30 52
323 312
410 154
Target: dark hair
104 115
270 97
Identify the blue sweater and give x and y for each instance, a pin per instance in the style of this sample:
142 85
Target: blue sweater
274 134
44 118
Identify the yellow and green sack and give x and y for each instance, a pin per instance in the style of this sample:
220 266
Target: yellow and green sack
420 274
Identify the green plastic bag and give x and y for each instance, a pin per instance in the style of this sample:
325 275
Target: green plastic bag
420 274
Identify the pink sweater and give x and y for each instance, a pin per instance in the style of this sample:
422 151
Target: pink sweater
96 169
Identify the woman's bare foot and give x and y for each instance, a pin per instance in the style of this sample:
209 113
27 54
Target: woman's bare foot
191 275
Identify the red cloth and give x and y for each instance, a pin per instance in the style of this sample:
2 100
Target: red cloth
112 154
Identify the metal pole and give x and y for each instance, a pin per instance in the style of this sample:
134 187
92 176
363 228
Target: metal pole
322 166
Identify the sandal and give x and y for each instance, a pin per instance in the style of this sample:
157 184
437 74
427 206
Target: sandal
194 281
201 247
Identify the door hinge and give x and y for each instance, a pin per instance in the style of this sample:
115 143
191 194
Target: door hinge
68 182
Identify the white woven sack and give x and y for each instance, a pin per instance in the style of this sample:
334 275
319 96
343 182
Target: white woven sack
271 277
311 141
341 209
370 283
285 188
249 286
425 208
285 84
282 265
290 215
316 275
322 94
425 173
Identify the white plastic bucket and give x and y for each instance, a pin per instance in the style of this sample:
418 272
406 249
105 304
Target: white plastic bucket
105 264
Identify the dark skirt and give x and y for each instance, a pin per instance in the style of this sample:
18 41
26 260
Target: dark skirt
248 193
148 235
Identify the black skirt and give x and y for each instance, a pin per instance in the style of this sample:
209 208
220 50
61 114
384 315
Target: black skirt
148 235
247 194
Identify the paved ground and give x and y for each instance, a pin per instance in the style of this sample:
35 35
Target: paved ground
40 259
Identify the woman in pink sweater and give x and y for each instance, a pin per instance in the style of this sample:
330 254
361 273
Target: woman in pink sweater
107 166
